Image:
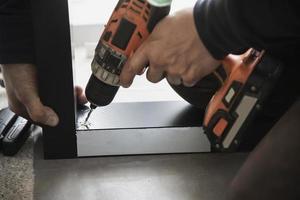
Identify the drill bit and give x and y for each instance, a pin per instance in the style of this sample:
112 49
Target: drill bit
92 108
88 116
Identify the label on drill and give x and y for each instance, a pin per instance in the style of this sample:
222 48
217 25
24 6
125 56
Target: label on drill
160 3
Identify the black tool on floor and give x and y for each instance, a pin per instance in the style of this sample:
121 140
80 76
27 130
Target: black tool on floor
14 131
7 119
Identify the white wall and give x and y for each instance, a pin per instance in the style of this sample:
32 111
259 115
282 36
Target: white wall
98 11
87 18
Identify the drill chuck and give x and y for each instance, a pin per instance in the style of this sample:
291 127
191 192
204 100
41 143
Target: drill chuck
103 98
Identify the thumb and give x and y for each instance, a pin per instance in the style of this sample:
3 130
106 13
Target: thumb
41 114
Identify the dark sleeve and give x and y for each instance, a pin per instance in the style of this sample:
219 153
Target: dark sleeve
232 26
16 37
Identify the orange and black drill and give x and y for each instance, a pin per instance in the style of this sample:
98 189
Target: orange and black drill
247 80
130 24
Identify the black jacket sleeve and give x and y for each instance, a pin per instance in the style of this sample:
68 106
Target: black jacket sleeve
16 34
232 26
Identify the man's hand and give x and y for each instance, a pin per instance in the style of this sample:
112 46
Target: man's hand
22 91
173 50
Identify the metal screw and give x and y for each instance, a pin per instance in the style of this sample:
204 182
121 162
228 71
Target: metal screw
258 106
253 89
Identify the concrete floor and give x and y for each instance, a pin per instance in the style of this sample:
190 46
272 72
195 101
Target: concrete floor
161 177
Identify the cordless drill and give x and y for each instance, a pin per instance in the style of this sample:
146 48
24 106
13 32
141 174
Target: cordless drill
247 80
129 25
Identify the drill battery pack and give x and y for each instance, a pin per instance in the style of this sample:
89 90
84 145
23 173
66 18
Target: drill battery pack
250 80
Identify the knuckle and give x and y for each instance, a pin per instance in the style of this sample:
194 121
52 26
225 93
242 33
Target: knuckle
189 80
172 60
178 68
155 59
172 71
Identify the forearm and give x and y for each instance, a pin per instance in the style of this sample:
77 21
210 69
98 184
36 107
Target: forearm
232 26
16 34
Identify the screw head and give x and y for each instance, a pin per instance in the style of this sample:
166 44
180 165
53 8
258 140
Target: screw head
258 106
253 89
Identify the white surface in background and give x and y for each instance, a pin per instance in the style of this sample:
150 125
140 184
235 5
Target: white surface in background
84 12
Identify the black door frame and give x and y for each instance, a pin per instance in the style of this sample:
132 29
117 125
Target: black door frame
54 62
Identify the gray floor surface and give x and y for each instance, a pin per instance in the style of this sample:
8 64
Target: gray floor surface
155 177
17 174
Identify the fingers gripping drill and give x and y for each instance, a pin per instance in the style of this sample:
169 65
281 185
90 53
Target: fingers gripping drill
129 25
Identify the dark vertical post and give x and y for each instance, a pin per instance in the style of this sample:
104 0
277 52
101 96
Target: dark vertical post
54 62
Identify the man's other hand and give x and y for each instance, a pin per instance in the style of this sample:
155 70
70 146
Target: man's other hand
22 91
174 50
